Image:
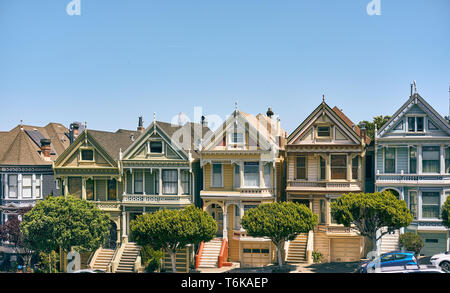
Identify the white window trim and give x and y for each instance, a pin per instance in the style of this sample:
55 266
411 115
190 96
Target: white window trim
163 147
424 116
395 160
346 174
421 159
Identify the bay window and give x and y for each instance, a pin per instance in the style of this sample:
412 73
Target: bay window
431 159
251 174
301 167
12 186
170 181
389 160
216 180
430 205
338 166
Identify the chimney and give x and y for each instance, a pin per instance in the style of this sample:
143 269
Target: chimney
269 113
132 136
74 131
363 132
45 147
140 127
204 122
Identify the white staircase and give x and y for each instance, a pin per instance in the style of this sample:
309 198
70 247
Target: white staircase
210 254
103 259
297 249
128 258
390 242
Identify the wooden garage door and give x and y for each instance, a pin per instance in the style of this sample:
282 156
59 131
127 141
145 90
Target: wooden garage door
343 250
255 254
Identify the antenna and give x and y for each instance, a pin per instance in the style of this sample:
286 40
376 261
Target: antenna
415 87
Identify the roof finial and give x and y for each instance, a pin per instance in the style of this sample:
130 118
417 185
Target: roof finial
323 98
154 122
236 105
21 124
415 88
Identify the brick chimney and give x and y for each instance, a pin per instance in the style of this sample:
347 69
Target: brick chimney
140 127
45 148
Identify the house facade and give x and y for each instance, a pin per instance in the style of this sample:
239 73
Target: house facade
242 168
413 161
325 158
26 156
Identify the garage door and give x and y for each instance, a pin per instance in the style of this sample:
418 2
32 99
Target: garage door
434 243
343 250
255 254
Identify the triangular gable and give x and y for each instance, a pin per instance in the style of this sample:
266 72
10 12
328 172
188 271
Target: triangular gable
414 105
70 157
303 134
239 122
140 148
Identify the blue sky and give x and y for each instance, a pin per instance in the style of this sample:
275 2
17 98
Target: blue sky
122 59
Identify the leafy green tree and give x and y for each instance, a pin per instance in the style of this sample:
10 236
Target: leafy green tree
379 121
172 230
369 212
151 258
446 212
64 222
412 242
279 221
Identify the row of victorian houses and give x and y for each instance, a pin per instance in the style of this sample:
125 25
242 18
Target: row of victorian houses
246 161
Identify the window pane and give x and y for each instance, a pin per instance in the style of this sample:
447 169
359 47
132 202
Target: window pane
112 195
217 175
338 167
411 123
37 187
389 160
431 159
74 186
129 182
322 211
170 181
412 160
185 182
355 164
237 137
138 182
323 131
12 186
156 146
322 168
237 178
267 177
430 204
413 203
251 174
419 123
87 155
90 189
301 167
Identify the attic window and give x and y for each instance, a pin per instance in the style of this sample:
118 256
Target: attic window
237 137
156 147
323 131
87 155
415 124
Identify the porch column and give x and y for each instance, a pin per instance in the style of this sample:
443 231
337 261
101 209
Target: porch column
160 181
261 175
328 168
442 159
83 188
132 181
124 223
66 188
419 159
143 181
349 167
241 213
241 173
179 182
225 221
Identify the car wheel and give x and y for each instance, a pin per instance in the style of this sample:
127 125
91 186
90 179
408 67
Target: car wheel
445 265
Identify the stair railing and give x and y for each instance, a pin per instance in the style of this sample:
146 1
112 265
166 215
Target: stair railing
116 258
223 255
199 254
93 258
310 247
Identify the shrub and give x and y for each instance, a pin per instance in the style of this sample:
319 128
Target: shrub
412 242
317 256
151 258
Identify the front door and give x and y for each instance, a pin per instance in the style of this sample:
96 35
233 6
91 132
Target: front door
217 213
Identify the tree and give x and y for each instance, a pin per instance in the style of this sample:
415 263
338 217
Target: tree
172 230
446 212
64 222
369 212
279 221
412 242
379 121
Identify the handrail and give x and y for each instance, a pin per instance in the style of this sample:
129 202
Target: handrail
223 255
93 257
199 254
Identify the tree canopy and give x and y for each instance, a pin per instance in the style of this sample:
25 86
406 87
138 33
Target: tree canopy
65 222
379 121
172 230
369 212
279 221
446 212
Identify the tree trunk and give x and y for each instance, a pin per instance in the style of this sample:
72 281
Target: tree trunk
279 247
50 263
172 258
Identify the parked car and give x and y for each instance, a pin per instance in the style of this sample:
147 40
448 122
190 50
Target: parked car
412 269
390 259
442 260
89 271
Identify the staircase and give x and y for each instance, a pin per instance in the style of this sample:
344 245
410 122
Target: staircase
297 249
103 259
128 258
210 254
390 242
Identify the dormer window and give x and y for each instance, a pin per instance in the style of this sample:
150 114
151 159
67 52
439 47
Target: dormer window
416 124
156 147
323 131
237 138
87 155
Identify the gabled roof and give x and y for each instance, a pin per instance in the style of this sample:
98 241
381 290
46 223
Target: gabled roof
337 114
195 130
20 146
425 106
113 142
